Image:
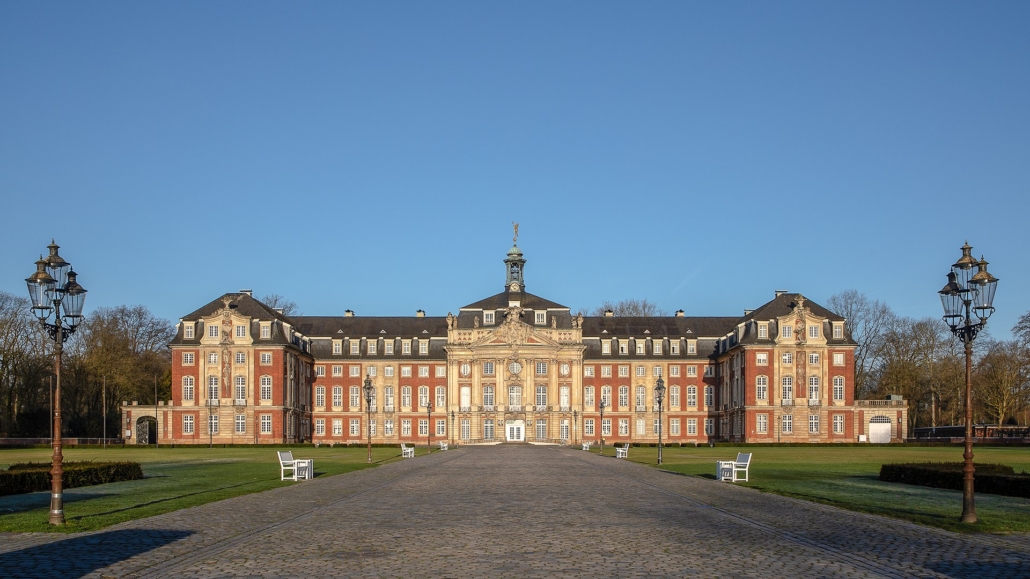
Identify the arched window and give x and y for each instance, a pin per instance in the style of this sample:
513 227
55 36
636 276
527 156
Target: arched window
212 387
623 396
187 387
266 387
241 388
423 396
641 397
838 388
691 396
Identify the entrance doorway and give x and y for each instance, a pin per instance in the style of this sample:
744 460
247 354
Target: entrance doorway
516 430
880 430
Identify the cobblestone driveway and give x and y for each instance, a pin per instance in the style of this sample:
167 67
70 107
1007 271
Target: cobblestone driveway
514 511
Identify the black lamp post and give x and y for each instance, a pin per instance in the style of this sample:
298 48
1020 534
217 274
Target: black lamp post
575 418
51 288
659 395
429 425
452 428
601 426
968 301
369 389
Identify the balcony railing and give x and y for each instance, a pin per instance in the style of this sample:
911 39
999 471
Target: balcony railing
515 408
211 402
787 402
239 402
388 408
564 408
465 409
812 402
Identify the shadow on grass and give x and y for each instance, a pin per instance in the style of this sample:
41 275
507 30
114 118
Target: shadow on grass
159 501
81 556
27 502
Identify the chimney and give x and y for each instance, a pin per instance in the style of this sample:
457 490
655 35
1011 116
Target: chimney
420 314
348 314
780 292
247 292
679 313
609 314
748 312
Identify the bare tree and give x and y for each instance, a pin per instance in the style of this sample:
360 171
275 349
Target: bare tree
1003 380
278 302
631 308
1022 330
867 322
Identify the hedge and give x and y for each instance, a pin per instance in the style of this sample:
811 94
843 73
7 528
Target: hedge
996 479
33 477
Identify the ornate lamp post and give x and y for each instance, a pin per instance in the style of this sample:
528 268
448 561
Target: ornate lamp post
968 301
575 419
429 425
51 288
659 395
601 426
452 428
368 389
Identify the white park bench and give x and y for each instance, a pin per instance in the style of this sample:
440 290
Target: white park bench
443 445
622 451
300 468
407 451
730 470
586 446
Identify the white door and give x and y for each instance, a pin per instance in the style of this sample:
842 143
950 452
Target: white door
880 430
516 431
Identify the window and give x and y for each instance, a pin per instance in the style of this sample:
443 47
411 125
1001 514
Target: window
423 396
787 358
441 398
488 395
212 424
657 348
813 331
266 331
838 424
762 387
709 396
241 387
241 358
187 358
187 424
423 347
373 346
763 330
606 396
541 429
337 346
541 317
674 371
423 371
388 397
788 388
606 347
656 371
786 331
488 318
541 368
838 358
406 396
337 427
606 371
320 427
563 397
355 371
337 396
212 331
355 426
691 427
813 388
266 387
691 346
762 359
709 370
320 371
623 371
488 429
674 348
187 387
813 358
388 427
838 331
266 424
588 396
641 427
212 387
654 426
488 368
266 358
388 350
355 397
338 371
241 331
212 358
588 427
423 427
187 331
405 427
762 423
606 427
406 347
588 371
623 396
813 423
441 427
441 371
371 371
674 426
466 429
691 396
674 397
623 347
388 372
514 396
320 396
691 371
838 388
355 347
624 427
641 371
405 371
710 426
641 400
541 395
640 347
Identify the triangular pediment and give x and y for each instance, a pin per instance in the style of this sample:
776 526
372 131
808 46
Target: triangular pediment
516 333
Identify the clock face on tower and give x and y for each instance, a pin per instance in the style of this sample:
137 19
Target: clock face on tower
514 286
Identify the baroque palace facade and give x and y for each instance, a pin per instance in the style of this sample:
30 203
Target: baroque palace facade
513 367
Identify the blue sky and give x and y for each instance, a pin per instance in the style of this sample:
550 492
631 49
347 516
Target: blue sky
372 156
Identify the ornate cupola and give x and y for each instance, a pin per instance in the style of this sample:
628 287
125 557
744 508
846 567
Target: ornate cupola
515 283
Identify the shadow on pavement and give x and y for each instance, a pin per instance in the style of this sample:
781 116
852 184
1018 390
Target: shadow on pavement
80 556
978 569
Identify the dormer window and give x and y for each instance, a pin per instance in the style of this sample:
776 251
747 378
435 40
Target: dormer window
657 348
423 347
674 348
541 317
372 347
355 347
241 331
187 331
212 331
691 347
388 347
787 331
488 318
337 346
266 331
813 331
623 347
606 347
763 330
838 331
640 347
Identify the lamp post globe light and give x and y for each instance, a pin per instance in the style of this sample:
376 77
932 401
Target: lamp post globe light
968 300
368 389
57 301
601 426
659 396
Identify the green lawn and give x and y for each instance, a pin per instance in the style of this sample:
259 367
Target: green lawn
175 478
847 477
